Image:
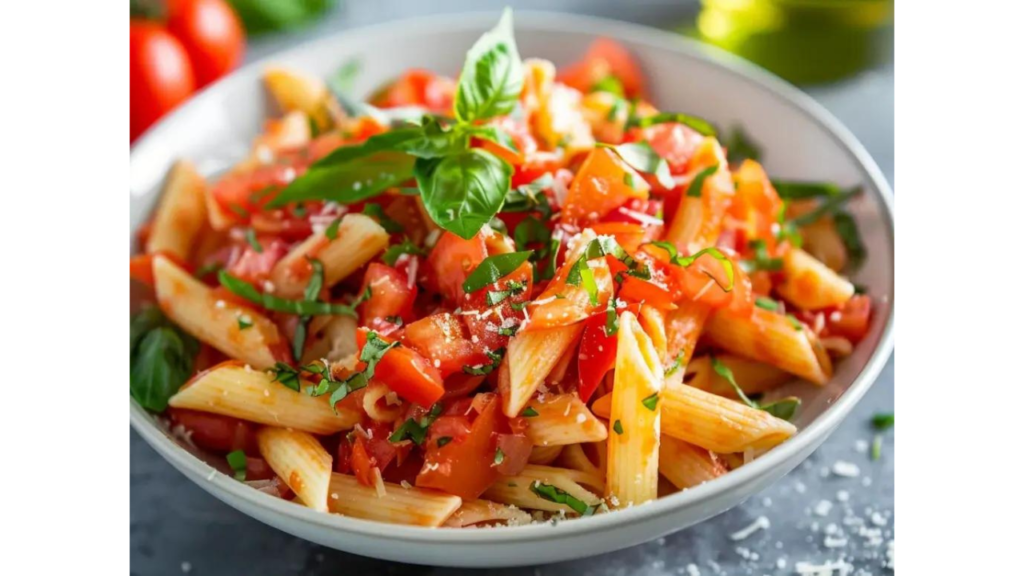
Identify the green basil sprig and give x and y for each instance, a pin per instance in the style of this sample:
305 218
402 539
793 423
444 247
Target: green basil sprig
696 186
464 191
492 76
494 268
246 290
686 261
557 495
700 125
161 358
784 408
643 158
416 430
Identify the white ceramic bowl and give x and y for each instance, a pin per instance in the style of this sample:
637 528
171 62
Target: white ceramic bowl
801 141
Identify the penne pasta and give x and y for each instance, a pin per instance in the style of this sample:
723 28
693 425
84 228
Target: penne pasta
381 404
298 458
652 320
398 505
683 327
544 455
485 512
181 214
810 284
635 416
575 457
520 490
751 376
235 390
713 422
698 221
563 419
330 337
532 355
774 339
220 323
294 91
359 239
686 465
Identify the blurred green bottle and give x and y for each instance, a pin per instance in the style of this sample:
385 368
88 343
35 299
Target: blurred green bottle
804 41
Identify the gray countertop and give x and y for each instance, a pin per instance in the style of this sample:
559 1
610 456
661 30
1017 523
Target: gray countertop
817 515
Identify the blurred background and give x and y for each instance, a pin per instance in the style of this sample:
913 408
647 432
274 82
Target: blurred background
838 51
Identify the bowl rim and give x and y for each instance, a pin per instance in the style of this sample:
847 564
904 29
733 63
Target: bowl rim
545 21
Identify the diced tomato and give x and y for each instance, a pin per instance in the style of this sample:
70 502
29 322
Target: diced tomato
257 469
852 320
515 453
215 432
460 384
244 192
465 466
604 182
451 261
485 322
343 458
597 355
455 427
380 449
672 141
392 293
255 266
444 341
604 57
562 304
407 373
418 88
142 269
628 235
362 463
703 282
756 206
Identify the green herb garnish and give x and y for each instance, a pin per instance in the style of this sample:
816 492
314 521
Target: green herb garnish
416 430
559 496
494 268
237 461
650 402
162 357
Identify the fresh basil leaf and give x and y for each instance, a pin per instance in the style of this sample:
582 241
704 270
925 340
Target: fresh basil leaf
495 357
650 402
677 364
530 197
464 191
512 288
761 261
415 430
532 231
797 190
784 408
740 147
433 140
349 182
246 290
717 255
559 496
237 460
492 77
371 354
883 421
529 412
494 134
377 213
766 303
611 319
673 254
161 358
725 372
287 376
617 427
846 228
263 16
696 186
609 84
494 268
406 246
699 125
643 158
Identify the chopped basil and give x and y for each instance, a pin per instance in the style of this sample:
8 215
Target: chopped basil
532 231
415 430
883 421
794 190
246 290
580 272
512 288
443 440
686 261
519 306
495 357
830 206
617 427
244 322
676 364
784 408
627 179
696 186
342 81
609 84
741 147
509 331
702 126
237 461
250 237
559 496
396 320
162 357
761 261
549 269
611 319
372 352
238 210
766 303
643 158
725 372
651 402
377 212
494 268
286 375
794 322
530 412
499 457
331 232
846 228
406 246
530 197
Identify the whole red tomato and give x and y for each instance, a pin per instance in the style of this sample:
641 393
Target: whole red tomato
161 74
210 33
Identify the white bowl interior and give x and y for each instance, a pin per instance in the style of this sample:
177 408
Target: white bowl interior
800 140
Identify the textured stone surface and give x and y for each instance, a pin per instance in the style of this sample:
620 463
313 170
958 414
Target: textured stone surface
177 528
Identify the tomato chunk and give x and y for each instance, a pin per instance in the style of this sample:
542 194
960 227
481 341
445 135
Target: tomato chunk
597 355
406 373
418 87
605 57
852 320
604 182
451 261
444 341
392 294
215 432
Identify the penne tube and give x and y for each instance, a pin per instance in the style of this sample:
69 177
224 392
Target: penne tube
181 214
652 320
360 238
519 490
544 455
298 458
774 339
397 505
575 457
635 417
683 327
823 243
485 512
381 404
811 285
289 132
698 220
713 422
751 376
232 389
294 90
532 355
563 419
330 337
220 323
686 465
